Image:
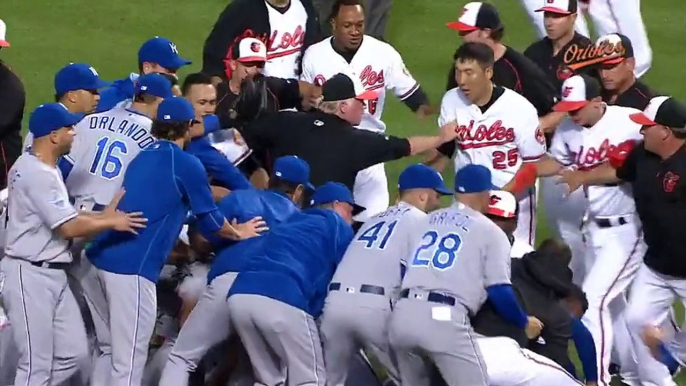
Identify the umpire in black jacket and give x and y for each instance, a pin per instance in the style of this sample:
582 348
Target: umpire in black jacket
251 18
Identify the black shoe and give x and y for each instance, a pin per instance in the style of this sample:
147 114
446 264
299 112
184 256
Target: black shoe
613 369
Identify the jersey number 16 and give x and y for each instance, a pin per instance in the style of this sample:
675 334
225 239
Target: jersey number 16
111 164
439 253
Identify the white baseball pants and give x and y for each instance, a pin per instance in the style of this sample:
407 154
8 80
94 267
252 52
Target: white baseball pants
124 311
652 297
47 326
564 216
371 191
537 18
615 253
208 325
508 364
624 17
526 222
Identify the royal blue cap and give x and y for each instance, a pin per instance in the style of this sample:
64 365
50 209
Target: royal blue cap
293 169
163 52
175 109
419 176
49 117
335 191
78 76
154 84
473 179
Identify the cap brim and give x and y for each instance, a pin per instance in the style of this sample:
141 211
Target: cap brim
367 95
249 59
4 43
642 119
176 63
102 84
614 60
500 213
462 27
556 10
567 106
357 209
444 191
74 119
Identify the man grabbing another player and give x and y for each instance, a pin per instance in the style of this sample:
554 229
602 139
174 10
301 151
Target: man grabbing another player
497 128
380 68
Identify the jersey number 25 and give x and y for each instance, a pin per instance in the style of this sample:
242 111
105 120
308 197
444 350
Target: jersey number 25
503 160
438 252
106 160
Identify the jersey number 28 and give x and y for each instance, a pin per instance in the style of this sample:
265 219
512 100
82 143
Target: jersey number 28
503 160
438 252
106 160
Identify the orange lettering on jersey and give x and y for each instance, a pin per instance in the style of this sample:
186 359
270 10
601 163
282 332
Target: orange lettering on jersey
577 57
593 157
290 42
370 79
496 134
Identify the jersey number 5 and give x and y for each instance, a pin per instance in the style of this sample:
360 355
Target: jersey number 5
108 152
502 160
372 234
438 253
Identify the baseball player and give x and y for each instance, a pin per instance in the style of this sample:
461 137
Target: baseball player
503 210
164 182
379 67
39 222
497 128
288 275
532 8
209 322
76 87
157 55
450 274
614 232
368 278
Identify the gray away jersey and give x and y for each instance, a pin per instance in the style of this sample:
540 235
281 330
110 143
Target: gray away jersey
375 254
37 204
104 145
459 252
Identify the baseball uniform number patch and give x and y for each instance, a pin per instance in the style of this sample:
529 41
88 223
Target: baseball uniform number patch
438 252
372 234
502 160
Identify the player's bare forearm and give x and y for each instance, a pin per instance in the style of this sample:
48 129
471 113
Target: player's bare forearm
550 122
259 178
422 144
548 166
87 225
219 192
435 160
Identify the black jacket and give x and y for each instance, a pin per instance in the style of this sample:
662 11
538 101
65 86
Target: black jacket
12 100
539 284
247 18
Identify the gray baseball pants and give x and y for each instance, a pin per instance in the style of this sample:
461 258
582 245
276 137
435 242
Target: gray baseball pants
124 311
47 326
437 334
280 339
208 325
350 322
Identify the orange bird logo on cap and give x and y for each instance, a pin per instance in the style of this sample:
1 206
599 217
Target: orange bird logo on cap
255 47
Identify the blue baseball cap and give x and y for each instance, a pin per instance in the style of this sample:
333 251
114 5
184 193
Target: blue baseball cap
335 191
293 169
175 109
419 176
163 52
154 84
49 117
78 76
473 179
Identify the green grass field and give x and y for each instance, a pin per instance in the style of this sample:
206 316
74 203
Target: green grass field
47 35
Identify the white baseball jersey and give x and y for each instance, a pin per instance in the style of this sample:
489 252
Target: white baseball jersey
379 66
519 249
286 41
500 138
104 145
586 148
230 143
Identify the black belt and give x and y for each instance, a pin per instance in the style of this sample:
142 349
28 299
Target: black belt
364 288
608 223
45 264
433 297
98 208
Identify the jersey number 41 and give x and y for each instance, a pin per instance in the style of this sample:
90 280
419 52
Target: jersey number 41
437 252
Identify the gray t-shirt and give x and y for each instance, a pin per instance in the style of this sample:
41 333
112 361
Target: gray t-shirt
375 254
37 205
104 146
459 252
